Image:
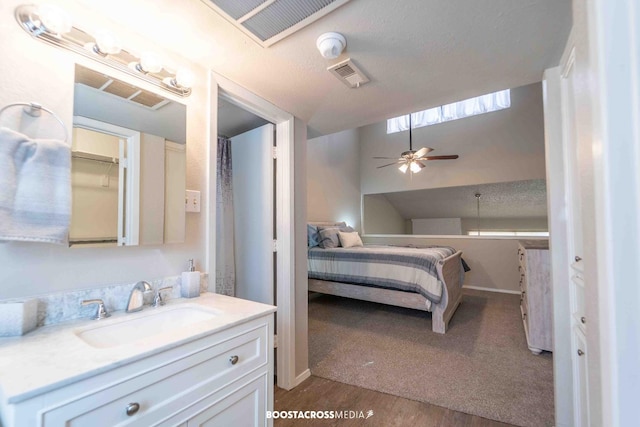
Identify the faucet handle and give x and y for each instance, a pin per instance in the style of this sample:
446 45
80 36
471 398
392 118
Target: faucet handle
101 311
157 300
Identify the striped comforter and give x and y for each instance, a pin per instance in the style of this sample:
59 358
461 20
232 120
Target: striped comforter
391 267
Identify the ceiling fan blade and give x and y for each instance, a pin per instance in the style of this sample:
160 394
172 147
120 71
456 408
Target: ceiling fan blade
452 157
386 158
421 152
390 164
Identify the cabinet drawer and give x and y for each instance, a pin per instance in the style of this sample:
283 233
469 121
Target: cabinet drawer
522 257
242 406
167 389
523 281
524 309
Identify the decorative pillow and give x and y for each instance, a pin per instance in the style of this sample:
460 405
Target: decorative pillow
349 239
329 236
313 238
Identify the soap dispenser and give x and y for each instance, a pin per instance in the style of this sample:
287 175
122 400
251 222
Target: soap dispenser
190 286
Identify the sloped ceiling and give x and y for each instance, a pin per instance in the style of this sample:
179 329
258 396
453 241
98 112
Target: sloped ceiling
417 53
516 199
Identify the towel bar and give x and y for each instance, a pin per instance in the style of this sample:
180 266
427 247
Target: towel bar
35 110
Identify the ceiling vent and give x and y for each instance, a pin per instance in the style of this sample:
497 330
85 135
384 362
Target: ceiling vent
269 21
347 72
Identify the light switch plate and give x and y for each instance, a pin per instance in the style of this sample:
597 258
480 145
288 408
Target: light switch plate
192 201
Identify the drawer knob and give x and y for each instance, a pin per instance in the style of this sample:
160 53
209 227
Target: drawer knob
577 258
580 352
233 360
583 320
132 408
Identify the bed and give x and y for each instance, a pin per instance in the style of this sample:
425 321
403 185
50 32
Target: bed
427 278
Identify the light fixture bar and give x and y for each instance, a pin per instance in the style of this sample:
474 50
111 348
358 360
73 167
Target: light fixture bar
28 16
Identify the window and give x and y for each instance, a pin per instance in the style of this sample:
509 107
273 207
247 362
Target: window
469 107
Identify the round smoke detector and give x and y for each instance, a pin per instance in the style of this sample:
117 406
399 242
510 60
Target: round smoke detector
331 45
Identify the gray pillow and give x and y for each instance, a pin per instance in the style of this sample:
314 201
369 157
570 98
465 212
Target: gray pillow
313 238
329 236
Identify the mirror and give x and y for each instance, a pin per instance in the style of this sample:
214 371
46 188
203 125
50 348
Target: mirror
128 164
516 208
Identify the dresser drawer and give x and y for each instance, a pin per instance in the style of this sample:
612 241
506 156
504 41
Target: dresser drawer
158 393
522 258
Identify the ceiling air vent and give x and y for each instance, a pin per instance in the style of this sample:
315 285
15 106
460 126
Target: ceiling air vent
269 21
347 72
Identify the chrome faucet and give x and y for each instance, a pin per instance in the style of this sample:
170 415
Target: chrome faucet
158 301
101 311
136 298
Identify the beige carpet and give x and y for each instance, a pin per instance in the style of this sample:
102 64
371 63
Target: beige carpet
481 366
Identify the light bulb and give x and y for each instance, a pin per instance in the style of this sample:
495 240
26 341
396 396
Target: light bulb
54 20
149 63
107 43
415 167
184 78
403 168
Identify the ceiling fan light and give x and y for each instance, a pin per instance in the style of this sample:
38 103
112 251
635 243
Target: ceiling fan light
403 168
416 167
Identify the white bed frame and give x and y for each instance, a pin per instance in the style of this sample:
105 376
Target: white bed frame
448 273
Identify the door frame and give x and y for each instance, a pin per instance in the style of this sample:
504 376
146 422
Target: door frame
129 231
285 227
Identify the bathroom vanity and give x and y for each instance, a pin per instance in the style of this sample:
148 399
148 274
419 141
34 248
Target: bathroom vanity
202 361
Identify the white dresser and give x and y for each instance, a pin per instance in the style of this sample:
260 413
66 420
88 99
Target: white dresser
535 294
216 373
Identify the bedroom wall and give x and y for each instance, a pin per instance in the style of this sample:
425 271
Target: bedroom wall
506 145
493 262
333 178
383 217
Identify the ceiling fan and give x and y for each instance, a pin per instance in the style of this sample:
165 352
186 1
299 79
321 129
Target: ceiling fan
413 160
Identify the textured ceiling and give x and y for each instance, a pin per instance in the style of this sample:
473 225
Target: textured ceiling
516 199
417 53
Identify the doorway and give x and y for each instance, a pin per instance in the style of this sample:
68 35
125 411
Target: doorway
283 208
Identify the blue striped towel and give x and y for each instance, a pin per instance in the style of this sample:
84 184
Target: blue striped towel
35 188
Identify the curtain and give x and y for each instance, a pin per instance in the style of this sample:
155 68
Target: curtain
225 250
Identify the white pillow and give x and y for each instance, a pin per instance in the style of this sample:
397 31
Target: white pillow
349 240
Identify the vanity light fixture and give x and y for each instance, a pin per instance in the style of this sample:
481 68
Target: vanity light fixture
183 78
106 44
149 63
53 25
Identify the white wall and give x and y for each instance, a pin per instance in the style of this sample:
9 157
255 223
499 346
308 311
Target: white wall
436 226
381 216
506 145
34 71
253 234
333 178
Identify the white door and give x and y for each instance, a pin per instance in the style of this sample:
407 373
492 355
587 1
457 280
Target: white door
252 162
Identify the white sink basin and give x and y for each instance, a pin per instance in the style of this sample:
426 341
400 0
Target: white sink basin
127 331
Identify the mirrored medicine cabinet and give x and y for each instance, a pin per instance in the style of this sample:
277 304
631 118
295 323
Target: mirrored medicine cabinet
128 164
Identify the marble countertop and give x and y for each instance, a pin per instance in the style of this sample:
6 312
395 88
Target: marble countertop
54 356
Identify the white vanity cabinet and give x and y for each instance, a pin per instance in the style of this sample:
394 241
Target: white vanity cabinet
223 379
